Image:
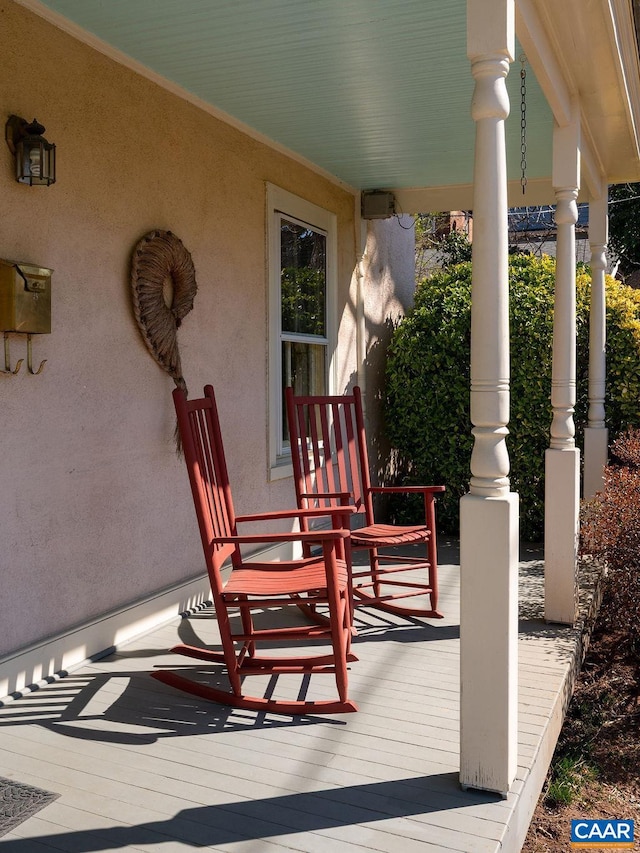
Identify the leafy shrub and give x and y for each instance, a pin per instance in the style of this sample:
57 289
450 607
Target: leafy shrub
623 361
611 530
427 405
624 226
454 248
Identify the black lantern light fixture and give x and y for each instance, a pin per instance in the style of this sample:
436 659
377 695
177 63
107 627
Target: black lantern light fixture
35 157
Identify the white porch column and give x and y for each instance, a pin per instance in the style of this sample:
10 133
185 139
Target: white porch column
596 435
562 459
489 513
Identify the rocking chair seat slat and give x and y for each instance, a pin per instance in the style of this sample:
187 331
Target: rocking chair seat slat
387 535
250 581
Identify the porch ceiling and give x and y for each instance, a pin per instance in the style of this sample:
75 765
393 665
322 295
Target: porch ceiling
376 92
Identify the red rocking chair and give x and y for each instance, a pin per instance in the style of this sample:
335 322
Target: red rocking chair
331 467
260 585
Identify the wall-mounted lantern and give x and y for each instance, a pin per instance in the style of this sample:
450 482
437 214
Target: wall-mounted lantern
35 157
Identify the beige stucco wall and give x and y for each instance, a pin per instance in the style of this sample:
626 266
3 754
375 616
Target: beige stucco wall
95 509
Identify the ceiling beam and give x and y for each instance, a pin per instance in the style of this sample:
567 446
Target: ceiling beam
414 200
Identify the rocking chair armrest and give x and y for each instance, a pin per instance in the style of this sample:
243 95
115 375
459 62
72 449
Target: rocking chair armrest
409 489
300 536
295 513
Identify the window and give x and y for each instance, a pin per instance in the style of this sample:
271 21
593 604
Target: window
302 260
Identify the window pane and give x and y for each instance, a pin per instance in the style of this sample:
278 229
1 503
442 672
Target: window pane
303 256
303 367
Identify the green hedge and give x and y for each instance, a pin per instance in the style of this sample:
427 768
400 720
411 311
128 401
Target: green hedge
427 405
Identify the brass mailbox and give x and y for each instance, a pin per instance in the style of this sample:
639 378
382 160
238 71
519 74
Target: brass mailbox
25 298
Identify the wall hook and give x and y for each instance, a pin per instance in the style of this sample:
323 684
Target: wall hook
30 360
7 358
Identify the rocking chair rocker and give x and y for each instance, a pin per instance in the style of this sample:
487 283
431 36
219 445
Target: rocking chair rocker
260 585
331 467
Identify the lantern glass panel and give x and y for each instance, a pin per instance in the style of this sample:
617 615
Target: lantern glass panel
49 164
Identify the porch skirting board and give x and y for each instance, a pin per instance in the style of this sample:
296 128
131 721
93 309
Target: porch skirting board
47 660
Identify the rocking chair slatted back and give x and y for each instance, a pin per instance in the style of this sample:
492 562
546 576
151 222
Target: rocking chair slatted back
330 461
331 468
202 443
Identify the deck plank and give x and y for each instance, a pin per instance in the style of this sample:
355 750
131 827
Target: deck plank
139 766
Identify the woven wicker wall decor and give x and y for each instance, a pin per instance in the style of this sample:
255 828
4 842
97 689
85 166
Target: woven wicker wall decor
160 264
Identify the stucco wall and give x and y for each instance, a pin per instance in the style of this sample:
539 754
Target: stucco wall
95 509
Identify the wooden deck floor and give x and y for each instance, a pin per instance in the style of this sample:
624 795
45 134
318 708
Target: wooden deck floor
139 766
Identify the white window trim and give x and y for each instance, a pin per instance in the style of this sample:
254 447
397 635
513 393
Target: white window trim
280 201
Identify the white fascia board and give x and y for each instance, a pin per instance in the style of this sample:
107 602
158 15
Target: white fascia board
542 58
624 45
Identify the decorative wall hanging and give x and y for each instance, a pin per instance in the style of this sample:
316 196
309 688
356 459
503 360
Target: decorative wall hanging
163 286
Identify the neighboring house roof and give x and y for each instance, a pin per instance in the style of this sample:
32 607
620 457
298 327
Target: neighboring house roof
377 94
532 220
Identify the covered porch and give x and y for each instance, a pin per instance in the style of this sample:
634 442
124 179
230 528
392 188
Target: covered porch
209 119
139 766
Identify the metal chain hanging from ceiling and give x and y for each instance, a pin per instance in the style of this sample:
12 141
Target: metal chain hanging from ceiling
523 123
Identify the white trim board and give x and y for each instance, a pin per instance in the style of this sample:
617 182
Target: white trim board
24 670
27 668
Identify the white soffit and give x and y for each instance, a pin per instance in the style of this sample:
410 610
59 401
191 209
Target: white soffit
589 51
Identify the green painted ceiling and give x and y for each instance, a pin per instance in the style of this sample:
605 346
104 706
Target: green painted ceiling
376 92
